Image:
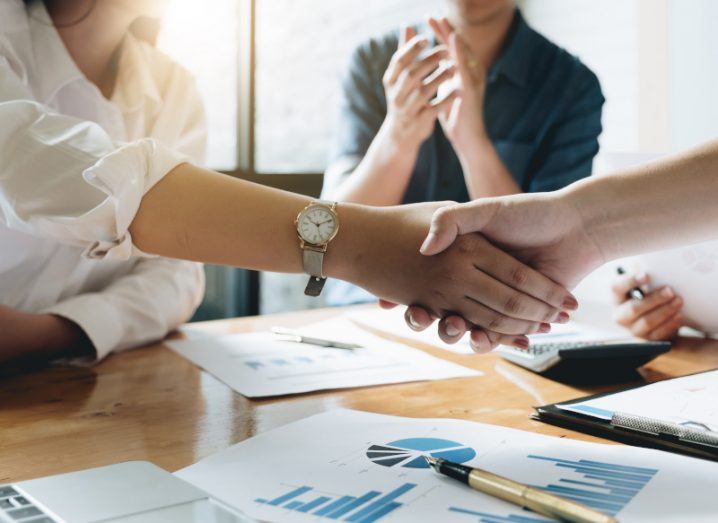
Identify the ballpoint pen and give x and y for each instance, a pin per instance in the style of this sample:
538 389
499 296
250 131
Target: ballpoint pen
283 334
519 494
636 293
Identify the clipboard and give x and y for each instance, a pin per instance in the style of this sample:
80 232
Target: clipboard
633 429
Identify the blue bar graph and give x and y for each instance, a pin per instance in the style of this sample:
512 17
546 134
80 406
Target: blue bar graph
313 504
366 508
613 486
606 487
333 506
290 362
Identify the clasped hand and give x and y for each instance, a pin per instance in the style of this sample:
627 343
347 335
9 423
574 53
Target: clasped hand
532 248
471 277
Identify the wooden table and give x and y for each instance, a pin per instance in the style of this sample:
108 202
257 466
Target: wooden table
150 404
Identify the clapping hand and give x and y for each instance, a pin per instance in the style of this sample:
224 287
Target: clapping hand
411 84
463 119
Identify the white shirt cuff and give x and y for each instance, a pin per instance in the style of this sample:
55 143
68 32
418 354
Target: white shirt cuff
125 176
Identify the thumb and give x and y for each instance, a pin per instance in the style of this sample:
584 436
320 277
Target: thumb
450 221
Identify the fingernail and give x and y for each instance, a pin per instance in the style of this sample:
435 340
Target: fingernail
563 317
544 328
411 321
521 343
642 277
451 330
427 243
667 292
569 302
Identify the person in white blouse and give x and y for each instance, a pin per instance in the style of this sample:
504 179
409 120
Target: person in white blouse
98 136
116 304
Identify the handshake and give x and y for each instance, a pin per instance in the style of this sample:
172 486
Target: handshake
501 267
498 267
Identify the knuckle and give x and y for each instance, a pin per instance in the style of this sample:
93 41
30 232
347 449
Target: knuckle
514 304
464 245
519 275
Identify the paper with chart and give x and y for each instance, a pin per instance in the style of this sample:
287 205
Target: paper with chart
358 467
258 365
691 401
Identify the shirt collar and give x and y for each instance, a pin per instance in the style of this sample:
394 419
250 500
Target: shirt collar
515 57
135 84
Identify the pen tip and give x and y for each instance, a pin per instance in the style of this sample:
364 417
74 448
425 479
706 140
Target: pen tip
433 462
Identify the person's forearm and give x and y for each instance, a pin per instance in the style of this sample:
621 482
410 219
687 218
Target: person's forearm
484 172
202 215
383 174
659 205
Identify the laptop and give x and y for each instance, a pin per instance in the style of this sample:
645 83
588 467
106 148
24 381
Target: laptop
130 492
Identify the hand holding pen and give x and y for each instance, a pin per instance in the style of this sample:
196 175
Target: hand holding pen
652 315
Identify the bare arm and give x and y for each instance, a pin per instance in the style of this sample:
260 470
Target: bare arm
463 122
484 172
201 215
668 202
382 176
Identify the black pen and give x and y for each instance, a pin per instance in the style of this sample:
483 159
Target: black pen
636 293
519 494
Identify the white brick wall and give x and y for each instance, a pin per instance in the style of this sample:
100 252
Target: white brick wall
302 47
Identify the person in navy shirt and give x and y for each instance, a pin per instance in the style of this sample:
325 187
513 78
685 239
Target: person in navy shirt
486 107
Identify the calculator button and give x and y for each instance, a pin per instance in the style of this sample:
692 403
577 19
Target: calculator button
7 491
23 513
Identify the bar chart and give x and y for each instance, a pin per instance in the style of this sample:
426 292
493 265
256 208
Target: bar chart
366 508
261 363
607 487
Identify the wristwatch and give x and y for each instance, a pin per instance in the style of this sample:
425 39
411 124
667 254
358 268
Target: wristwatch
317 224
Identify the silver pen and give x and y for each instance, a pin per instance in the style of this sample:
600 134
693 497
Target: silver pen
283 334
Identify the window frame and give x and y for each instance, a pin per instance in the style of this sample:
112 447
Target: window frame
303 183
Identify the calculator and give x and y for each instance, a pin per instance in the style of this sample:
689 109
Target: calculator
590 361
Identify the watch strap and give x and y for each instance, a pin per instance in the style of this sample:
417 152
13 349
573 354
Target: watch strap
314 286
313 261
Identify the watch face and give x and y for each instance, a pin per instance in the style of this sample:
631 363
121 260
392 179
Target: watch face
317 225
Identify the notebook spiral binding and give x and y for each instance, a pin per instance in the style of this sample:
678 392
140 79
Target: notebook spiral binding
658 427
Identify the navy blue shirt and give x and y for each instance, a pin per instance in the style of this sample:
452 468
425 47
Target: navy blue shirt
542 111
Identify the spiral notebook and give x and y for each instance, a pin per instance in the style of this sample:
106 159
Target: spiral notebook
678 415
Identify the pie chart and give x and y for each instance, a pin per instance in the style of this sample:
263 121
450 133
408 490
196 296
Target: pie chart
410 452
